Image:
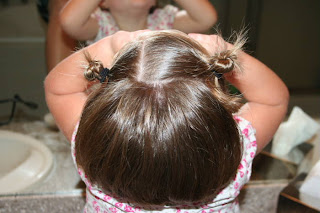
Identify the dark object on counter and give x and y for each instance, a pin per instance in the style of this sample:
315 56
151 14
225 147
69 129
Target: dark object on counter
269 167
289 201
16 99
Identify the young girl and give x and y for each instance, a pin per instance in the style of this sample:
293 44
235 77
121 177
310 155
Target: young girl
160 132
85 20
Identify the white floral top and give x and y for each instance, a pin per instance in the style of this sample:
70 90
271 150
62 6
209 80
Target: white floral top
225 201
160 19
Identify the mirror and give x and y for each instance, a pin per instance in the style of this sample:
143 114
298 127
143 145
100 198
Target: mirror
283 34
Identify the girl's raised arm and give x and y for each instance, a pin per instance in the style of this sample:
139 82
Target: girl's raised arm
76 19
266 94
66 86
196 16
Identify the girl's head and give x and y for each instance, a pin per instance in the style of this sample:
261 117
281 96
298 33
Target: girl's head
161 130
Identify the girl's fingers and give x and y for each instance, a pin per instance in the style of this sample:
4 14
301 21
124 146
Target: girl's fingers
196 36
212 43
121 38
139 33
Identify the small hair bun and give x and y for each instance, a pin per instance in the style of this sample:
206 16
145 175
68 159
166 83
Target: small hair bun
93 70
223 65
223 62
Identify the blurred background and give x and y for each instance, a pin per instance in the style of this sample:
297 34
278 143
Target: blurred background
284 34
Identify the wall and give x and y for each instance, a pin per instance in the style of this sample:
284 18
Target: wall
22 57
287 39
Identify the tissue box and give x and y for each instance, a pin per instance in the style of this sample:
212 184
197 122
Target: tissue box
298 129
310 189
289 198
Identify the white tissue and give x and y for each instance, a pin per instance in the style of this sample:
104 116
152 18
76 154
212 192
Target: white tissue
299 128
310 189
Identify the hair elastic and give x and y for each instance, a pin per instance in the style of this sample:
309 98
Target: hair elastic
217 74
104 74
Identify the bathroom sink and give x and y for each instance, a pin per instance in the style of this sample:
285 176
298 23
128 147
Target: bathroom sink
24 161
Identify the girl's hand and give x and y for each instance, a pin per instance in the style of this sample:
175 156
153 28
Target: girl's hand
212 43
121 38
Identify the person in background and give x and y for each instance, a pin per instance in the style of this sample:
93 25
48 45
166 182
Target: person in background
58 45
152 125
92 20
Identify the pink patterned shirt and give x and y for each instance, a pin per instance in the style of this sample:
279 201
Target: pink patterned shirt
160 19
224 202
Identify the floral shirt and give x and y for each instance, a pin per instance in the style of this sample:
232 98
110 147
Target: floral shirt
160 19
224 202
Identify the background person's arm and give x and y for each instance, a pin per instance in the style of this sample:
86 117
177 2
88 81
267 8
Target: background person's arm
197 16
77 21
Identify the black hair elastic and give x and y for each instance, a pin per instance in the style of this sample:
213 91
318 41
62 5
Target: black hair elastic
104 74
217 74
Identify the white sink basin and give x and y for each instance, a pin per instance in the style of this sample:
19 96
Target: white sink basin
23 161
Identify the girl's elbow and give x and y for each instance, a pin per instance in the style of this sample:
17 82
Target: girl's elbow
285 93
63 18
64 21
286 96
67 24
48 85
213 18
210 21
208 25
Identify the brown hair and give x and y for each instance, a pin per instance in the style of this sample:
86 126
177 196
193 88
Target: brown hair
161 130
